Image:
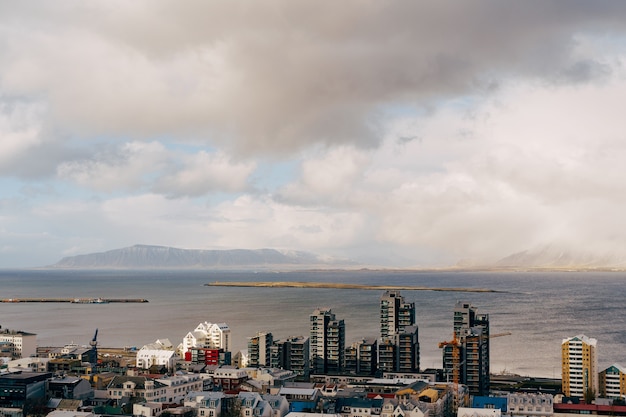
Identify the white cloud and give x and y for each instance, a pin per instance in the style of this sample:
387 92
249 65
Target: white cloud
124 168
203 172
409 138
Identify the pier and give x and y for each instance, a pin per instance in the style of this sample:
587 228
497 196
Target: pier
74 300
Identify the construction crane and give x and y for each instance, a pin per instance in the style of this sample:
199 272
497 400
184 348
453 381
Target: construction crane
94 350
455 344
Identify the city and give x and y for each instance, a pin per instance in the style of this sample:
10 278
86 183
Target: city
301 375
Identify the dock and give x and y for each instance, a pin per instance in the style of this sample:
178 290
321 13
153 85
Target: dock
74 300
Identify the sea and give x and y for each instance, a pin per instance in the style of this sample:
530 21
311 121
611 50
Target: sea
538 309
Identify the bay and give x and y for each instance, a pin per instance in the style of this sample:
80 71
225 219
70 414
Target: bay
538 309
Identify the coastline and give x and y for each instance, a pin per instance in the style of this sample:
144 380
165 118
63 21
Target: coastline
343 286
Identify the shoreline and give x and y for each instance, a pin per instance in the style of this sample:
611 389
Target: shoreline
342 286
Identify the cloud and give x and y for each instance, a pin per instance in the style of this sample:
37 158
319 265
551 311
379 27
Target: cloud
120 168
280 77
137 166
203 173
421 131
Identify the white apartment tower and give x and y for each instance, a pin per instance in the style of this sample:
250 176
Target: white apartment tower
579 366
207 335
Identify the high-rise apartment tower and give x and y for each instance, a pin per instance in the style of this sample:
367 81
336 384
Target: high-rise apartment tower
580 366
327 342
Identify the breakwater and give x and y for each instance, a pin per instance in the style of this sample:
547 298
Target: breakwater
342 286
74 300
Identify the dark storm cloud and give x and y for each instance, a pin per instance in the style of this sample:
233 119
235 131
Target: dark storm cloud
281 75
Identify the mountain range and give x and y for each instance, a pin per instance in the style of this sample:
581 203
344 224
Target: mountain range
147 256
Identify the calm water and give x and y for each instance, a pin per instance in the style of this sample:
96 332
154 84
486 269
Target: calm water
539 309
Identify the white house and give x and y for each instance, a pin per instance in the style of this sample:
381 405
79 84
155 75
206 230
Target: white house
178 386
207 404
148 409
148 357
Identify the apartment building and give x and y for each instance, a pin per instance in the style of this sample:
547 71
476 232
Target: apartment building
18 344
579 366
612 382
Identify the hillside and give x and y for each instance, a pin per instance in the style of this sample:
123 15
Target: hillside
146 256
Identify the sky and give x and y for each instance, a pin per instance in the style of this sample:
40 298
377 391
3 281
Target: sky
395 133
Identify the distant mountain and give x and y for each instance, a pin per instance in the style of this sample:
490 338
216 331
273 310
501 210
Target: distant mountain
146 256
553 257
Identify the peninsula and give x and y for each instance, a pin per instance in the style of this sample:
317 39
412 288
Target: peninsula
341 286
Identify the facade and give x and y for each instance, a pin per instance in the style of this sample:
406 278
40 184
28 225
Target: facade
466 358
178 386
18 388
18 344
229 378
292 354
208 356
207 404
70 388
405 408
398 347
156 354
579 366
395 314
137 387
612 382
207 335
148 409
530 405
408 355
326 342
361 357
259 349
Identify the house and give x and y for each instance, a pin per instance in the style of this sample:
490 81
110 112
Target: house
137 386
178 386
71 388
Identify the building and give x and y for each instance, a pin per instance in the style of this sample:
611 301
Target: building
361 357
229 378
466 357
398 347
579 366
326 342
530 404
479 412
137 387
17 389
292 354
395 314
612 382
178 386
259 349
208 356
18 344
160 353
71 388
207 404
207 335
408 353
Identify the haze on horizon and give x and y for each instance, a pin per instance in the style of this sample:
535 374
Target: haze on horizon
399 133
